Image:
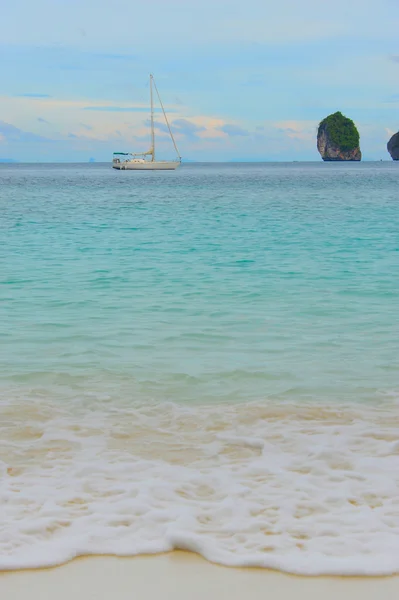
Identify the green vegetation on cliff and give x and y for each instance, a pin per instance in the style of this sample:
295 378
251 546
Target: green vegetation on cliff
341 131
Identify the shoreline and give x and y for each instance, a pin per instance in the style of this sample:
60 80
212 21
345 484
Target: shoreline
181 575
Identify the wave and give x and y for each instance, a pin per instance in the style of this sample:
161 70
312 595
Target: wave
305 488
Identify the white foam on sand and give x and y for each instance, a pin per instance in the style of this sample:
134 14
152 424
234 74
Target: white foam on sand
300 488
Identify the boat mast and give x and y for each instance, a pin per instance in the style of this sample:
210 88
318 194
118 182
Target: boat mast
152 121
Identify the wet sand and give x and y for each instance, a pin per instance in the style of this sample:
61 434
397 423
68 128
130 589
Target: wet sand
178 576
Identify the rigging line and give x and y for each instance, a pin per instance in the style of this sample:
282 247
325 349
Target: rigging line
166 118
152 120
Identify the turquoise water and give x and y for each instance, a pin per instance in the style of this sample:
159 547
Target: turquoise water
215 282
205 359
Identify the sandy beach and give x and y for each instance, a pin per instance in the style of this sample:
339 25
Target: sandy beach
180 575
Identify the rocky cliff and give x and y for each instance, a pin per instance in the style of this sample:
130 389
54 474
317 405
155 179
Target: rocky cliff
393 146
338 139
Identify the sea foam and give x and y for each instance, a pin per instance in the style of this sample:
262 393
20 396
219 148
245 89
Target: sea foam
298 487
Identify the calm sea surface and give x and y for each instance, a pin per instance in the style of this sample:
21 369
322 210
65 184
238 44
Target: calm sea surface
205 359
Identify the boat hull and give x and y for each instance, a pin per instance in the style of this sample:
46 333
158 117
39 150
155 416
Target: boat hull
160 165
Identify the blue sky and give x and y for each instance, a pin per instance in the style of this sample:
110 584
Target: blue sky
241 80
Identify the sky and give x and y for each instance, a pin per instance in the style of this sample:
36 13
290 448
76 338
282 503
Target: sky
240 80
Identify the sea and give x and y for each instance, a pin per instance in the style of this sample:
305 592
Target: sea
205 360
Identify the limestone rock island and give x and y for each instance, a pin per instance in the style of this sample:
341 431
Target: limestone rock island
338 139
393 146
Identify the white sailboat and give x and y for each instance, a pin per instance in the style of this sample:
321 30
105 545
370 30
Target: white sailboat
146 161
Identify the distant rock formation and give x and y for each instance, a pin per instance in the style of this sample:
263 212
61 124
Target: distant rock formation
393 146
338 139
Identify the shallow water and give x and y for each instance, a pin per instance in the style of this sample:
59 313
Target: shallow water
204 359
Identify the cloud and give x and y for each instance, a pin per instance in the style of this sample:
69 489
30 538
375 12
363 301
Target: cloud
158 126
390 132
254 21
186 127
394 58
254 81
12 134
41 120
114 56
297 130
189 129
233 130
33 96
393 99
122 108
87 127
